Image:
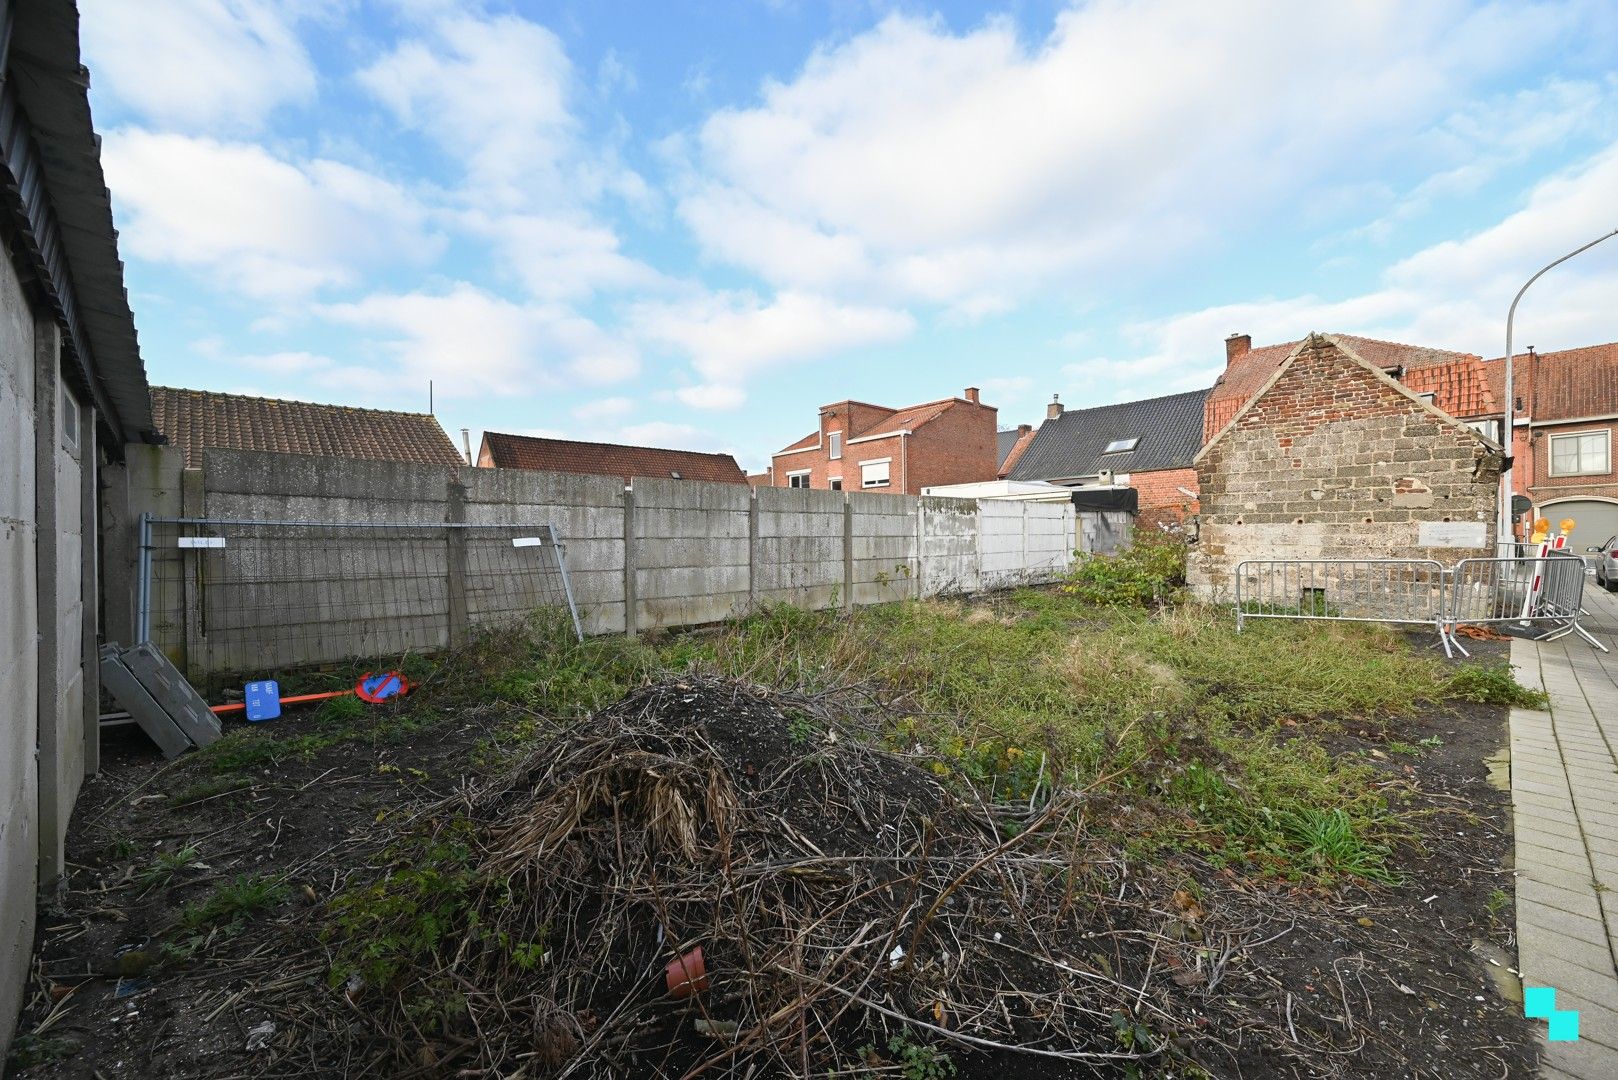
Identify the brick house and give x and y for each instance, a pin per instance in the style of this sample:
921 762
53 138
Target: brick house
1332 457
198 420
502 451
1566 420
1147 445
897 451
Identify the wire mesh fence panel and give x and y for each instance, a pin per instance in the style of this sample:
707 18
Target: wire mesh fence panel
1540 595
1355 590
234 597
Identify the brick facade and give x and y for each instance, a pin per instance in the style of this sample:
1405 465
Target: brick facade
1333 459
1161 500
953 441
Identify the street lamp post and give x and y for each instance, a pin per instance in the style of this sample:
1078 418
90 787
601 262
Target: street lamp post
1509 436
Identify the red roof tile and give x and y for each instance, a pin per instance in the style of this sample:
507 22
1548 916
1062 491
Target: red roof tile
1565 385
606 459
198 420
1016 452
1246 375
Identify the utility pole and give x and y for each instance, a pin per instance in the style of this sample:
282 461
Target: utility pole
1509 436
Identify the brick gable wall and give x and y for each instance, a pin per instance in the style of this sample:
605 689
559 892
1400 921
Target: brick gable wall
1333 462
1161 501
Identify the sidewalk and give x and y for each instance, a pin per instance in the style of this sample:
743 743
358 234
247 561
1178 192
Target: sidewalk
1564 791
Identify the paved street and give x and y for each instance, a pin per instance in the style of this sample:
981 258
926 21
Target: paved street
1564 788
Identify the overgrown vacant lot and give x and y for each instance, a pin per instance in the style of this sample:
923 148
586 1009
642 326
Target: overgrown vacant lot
1121 836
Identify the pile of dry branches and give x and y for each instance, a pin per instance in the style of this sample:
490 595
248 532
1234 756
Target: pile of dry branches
841 897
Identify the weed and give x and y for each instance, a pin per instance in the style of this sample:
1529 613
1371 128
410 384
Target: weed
915 1060
31 1049
165 867
1494 684
801 728
1150 570
209 789
1432 742
1329 839
1497 902
232 904
1407 749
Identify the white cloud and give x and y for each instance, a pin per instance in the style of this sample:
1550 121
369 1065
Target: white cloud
612 408
1452 295
562 257
732 337
198 64
267 227
964 169
472 342
494 93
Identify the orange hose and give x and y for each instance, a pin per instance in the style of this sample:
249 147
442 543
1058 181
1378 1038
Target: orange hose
239 706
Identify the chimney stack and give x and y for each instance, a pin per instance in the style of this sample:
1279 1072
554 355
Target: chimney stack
1023 429
1236 346
972 394
1054 409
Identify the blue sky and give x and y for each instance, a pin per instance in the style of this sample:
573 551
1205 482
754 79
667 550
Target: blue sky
691 224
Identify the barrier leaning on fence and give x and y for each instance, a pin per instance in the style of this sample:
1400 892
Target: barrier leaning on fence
1542 591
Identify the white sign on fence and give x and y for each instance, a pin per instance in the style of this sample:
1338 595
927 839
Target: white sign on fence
1452 534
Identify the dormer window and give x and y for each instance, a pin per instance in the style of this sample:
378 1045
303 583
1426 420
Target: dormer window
1121 446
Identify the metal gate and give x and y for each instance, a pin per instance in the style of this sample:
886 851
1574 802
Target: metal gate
230 596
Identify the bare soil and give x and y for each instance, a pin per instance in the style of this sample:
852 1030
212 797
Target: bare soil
1203 969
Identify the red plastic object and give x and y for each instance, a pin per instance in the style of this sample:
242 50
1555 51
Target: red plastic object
686 975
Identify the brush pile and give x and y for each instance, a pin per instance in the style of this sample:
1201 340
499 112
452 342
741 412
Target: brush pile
851 911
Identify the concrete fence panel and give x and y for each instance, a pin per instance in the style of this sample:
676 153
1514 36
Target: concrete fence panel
885 547
948 541
798 547
691 552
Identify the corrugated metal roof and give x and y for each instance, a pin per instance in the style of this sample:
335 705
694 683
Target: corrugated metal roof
66 211
198 420
608 459
1169 430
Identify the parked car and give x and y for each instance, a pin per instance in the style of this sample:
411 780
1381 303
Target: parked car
1606 563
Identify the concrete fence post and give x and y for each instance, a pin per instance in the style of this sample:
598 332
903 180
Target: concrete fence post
752 550
631 626
848 554
89 591
455 570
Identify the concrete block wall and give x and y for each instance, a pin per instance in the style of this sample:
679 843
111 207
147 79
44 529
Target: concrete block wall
19 649
691 552
949 560
798 547
664 553
883 562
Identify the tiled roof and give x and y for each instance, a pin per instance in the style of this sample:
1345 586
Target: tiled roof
1563 385
1460 388
608 459
1072 445
197 420
1246 375
879 419
1011 446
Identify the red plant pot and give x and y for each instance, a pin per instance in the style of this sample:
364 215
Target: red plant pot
686 975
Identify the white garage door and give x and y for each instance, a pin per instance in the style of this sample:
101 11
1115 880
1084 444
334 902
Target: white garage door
1595 520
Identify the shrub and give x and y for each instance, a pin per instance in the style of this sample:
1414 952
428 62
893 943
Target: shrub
1150 571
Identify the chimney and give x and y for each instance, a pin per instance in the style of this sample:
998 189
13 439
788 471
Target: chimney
1236 346
1023 429
1054 409
972 395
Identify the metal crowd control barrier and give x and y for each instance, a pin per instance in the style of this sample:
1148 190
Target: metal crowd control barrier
1345 590
1533 592
1524 592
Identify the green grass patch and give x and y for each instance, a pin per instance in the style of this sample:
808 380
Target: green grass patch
1494 684
166 867
234 904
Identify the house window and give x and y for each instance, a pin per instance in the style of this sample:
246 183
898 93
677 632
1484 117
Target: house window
798 479
1588 453
874 473
834 445
837 483
1430 397
1121 446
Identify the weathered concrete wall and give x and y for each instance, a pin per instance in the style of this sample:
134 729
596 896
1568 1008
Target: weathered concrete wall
691 552
948 554
19 653
798 547
1336 460
666 553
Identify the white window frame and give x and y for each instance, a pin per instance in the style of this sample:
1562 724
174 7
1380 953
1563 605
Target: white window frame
887 473
796 475
1605 434
834 445
834 483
